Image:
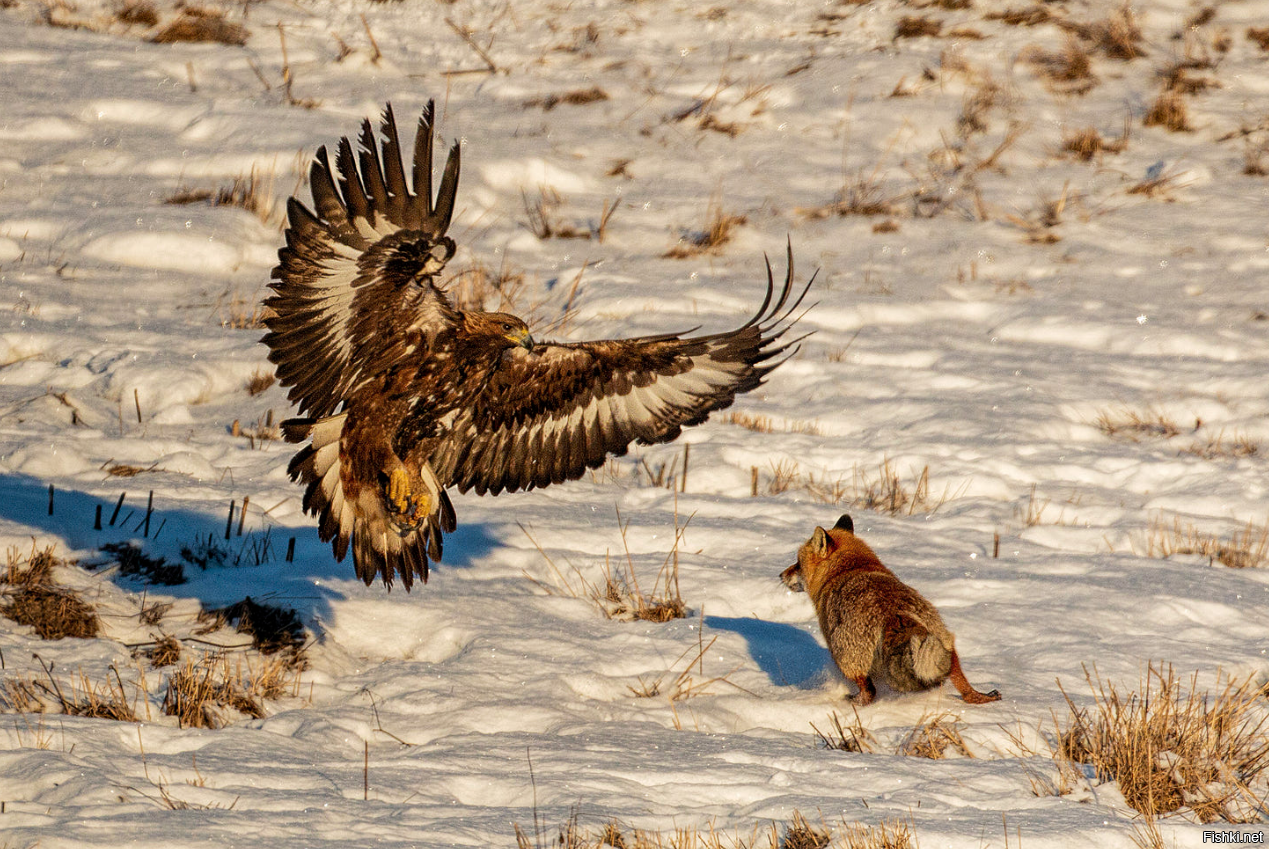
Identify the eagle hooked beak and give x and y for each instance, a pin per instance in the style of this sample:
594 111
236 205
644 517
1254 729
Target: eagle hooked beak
522 338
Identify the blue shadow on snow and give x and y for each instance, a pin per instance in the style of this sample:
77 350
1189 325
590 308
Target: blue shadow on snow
24 500
788 655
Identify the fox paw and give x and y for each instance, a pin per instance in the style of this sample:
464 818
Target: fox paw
407 503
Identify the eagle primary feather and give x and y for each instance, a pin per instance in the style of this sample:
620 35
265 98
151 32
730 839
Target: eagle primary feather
403 396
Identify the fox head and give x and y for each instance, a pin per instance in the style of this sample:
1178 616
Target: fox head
816 550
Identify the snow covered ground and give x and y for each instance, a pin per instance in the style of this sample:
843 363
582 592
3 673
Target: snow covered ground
1073 352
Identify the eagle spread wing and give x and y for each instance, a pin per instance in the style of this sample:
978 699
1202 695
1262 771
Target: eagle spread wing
404 396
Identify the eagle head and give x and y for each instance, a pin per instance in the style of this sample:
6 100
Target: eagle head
508 330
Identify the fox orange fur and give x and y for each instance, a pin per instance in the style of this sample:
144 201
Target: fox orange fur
876 626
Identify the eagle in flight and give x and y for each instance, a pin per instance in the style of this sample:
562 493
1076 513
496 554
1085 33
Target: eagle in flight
404 396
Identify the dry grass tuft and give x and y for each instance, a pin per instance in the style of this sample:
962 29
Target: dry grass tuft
1255 154
254 192
864 195
1159 184
577 97
1172 750
165 652
1247 548
1170 112
1087 144
198 693
1027 17
34 569
719 226
798 833
1117 35
481 287
54 612
1259 36
139 13
1065 71
1217 448
196 24
621 596
764 424
932 736
240 311
259 381
885 492
976 106
1135 425
917 26
35 600
542 220
887 834
78 696
846 738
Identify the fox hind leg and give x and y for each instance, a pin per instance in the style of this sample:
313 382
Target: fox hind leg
867 692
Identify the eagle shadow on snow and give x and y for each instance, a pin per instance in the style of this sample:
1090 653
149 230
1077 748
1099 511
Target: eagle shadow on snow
24 501
788 655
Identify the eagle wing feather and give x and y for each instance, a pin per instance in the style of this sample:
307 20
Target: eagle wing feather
328 277
548 414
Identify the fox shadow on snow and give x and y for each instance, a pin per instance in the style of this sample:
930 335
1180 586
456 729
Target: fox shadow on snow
24 500
788 655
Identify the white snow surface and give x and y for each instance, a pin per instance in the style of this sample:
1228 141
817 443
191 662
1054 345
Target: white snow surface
955 342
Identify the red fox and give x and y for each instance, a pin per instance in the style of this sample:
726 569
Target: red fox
876 626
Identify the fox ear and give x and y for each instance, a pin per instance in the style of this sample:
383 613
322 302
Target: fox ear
845 524
821 542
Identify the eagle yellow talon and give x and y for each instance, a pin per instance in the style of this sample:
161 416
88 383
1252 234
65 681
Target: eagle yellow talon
405 502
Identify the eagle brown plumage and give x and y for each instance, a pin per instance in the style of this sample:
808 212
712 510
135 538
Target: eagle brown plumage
405 396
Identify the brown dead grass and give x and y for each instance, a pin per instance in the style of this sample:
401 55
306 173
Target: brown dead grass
798 833
165 652
34 599
1065 71
620 596
1259 36
577 97
1169 111
1246 548
199 692
933 736
54 612
74 696
765 424
1219 448
1170 748
846 738
202 25
260 380
717 232
254 192
1087 143
1136 425
1118 35
885 491
1028 16
139 13
917 26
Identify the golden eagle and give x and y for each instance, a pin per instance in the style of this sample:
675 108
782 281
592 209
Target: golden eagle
404 396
